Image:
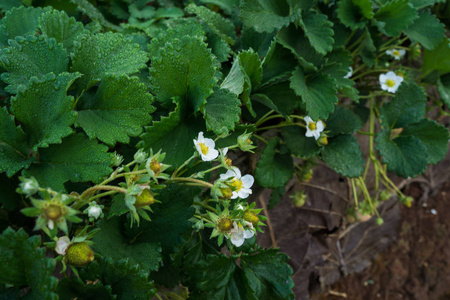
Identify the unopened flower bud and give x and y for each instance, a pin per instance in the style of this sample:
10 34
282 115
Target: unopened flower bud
380 221
28 186
322 141
140 156
117 160
79 254
244 142
145 198
94 211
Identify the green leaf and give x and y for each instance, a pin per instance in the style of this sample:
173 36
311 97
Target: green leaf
222 111
235 80
218 47
9 198
265 15
432 135
122 277
407 107
8 4
33 57
343 121
112 242
185 27
426 30
437 59
259 42
295 40
224 28
423 3
24 264
118 206
344 156
57 24
317 91
368 49
278 63
45 110
174 135
119 109
77 159
274 169
444 88
251 65
355 13
94 14
405 155
318 30
394 16
20 21
227 5
13 146
170 218
281 96
268 275
106 54
183 68
213 273
298 143
69 289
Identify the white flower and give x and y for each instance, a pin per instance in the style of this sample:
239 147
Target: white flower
240 185
94 211
313 128
350 73
396 53
239 234
390 81
206 148
62 244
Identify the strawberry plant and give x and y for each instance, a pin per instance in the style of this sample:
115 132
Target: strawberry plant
126 125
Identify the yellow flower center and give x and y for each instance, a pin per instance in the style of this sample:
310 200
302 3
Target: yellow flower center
225 225
237 184
390 82
312 126
204 148
396 53
155 166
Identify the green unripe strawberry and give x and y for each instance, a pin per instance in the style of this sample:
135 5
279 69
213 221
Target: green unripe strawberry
79 254
144 199
251 217
225 225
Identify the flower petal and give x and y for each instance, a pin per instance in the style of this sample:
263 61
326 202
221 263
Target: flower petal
248 233
247 180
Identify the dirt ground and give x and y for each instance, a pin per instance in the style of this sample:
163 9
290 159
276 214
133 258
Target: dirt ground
408 257
416 265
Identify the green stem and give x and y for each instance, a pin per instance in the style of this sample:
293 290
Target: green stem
123 175
205 206
260 121
207 171
202 217
192 180
369 72
184 164
355 194
102 188
101 195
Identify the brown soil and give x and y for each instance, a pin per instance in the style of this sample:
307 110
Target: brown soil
408 257
417 266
